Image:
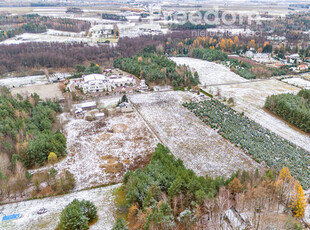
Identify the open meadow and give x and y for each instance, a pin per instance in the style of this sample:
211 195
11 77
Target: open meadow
30 220
210 73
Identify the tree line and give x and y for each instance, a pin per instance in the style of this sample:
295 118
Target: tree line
294 109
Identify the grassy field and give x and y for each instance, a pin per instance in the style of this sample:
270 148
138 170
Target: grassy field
100 152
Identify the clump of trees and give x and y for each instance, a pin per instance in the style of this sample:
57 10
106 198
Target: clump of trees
114 17
242 68
55 183
191 26
262 144
80 70
77 215
166 175
210 54
157 68
294 109
166 195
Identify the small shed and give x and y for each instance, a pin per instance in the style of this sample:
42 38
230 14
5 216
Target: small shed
99 116
125 107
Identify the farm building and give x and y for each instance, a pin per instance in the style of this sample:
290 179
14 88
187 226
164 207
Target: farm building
87 105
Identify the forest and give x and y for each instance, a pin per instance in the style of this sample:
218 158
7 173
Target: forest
166 195
11 26
257 141
50 55
295 109
30 136
21 57
157 68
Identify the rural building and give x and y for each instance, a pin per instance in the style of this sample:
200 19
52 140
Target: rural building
87 106
302 67
79 114
125 107
99 116
122 81
100 83
99 33
249 54
95 83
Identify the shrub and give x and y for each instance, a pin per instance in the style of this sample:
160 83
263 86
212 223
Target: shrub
120 224
77 215
68 182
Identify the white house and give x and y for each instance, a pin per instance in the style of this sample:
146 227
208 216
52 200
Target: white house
249 54
95 83
122 81
294 56
100 83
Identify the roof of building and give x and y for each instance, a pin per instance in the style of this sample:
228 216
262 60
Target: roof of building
124 104
87 104
99 115
303 66
94 77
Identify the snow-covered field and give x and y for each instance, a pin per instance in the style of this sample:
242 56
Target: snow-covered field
250 99
44 37
102 198
23 81
100 152
299 82
210 73
200 147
